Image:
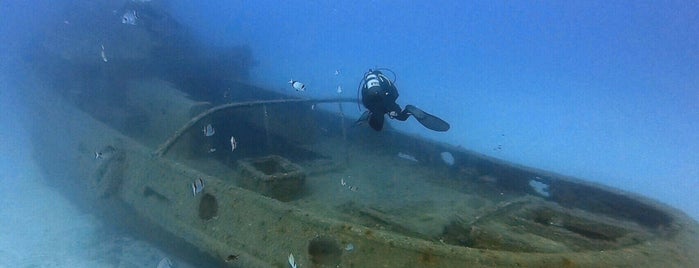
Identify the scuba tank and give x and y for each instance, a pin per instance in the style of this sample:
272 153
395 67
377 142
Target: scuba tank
374 78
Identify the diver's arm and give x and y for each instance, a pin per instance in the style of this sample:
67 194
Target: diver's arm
400 115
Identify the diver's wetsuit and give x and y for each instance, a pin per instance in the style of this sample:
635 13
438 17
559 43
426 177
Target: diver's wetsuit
379 96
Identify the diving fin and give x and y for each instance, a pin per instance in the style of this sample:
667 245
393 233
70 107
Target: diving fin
429 121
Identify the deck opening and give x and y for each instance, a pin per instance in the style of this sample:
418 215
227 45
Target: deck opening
272 176
324 251
208 207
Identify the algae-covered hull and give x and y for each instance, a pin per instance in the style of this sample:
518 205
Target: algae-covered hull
307 182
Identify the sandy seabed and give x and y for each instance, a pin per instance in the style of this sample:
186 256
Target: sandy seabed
41 228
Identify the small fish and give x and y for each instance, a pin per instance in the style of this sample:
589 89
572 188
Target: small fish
407 157
104 55
339 89
297 85
212 150
234 144
313 107
350 187
208 130
197 186
292 262
349 247
337 72
129 17
165 263
105 152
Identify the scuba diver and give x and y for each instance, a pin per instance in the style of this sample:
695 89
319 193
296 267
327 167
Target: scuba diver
379 96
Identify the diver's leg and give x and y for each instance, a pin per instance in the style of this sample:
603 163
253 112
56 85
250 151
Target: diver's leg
376 121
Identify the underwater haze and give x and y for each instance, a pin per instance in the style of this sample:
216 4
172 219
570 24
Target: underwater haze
604 91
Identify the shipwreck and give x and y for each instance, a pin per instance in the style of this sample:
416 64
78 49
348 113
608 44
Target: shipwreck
126 142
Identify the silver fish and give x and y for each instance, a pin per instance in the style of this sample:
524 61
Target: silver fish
297 85
130 17
104 55
292 262
339 89
407 157
165 263
349 247
234 144
105 152
197 186
350 187
208 130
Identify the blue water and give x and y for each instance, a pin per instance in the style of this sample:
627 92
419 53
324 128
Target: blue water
607 92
